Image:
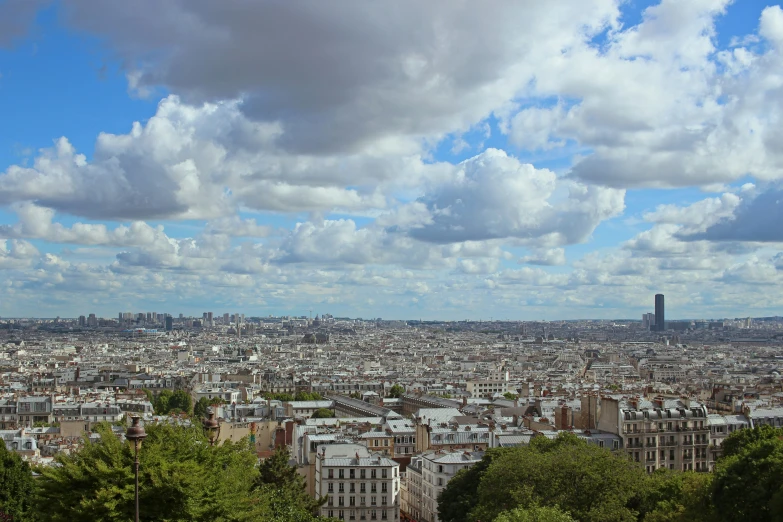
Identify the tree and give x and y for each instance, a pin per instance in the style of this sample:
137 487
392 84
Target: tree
149 394
308 396
583 479
510 396
181 400
16 485
201 408
674 496
161 404
181 478
277 474
738 441
285 397
748 482
322 413
396 391
173 402
461 494
534 514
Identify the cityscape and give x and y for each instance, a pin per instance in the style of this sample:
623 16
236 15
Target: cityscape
404 261
413 401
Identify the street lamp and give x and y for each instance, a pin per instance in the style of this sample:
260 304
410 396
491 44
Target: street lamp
136 434
212 427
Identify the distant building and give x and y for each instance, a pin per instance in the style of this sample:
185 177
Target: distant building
169 323
660 319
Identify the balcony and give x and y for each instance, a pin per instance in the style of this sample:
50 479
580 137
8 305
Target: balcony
630 444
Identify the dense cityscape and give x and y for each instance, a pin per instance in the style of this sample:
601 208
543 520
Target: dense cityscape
399 261
414 400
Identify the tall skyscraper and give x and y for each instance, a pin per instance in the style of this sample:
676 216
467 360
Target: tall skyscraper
169 323
660 321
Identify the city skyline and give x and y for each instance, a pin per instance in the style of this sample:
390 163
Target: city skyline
436 161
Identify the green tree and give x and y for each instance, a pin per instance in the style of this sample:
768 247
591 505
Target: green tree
738 441
182 401
216 401
277 474
149 394
322 413
748 482
161 404
286 397
396 391
16 485
674 496
201 408
181 478
510 396
583 479
308 396
461 494
534 514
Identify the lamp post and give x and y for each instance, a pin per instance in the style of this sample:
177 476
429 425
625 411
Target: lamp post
136 434
212 427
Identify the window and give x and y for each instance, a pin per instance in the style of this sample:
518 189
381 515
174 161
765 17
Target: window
352 473
342 473
362 488
373 473
352 501
384 473
331 487
340 502
362 473
330 502
383 486
373 488
372 500
331 473
342 487
440 468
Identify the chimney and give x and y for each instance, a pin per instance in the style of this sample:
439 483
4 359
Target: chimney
658 402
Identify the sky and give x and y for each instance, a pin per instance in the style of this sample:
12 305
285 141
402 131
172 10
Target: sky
450 159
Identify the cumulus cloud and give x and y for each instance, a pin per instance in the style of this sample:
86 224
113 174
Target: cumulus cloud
758 217
16 254
341 76
550 257
494 195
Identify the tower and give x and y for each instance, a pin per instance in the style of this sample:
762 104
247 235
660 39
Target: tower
660 321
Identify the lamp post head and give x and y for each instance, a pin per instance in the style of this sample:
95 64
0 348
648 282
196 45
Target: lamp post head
136 432
211 426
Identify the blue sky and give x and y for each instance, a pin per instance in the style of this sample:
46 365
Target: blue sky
546 162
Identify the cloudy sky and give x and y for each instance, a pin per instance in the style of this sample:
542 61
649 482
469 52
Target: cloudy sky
445 159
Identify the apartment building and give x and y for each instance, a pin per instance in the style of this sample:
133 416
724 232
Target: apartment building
358 484
661 433
437 469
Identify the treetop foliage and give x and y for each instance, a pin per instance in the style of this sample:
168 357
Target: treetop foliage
566 478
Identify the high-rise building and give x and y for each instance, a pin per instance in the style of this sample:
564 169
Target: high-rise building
169 323
660 320
210 319
92 321
648 321
82 321
225 319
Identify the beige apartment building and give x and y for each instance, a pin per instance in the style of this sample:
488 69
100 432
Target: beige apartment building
662 433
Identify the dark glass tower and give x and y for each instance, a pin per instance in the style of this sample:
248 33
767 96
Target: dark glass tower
660 322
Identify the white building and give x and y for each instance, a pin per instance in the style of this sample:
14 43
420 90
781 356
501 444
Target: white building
358 485
428 475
